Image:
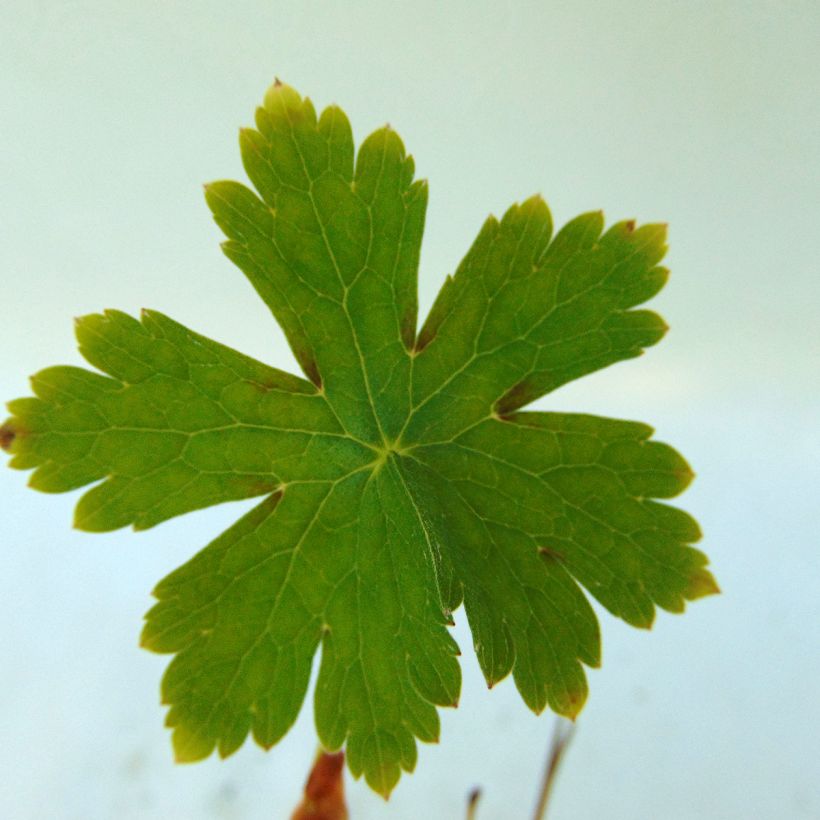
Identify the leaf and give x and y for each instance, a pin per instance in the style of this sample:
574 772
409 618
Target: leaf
399 479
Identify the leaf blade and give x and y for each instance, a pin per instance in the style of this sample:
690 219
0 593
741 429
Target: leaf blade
333 250
270 582
400 479
179 423
525 314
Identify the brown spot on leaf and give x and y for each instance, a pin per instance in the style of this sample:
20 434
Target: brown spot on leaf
258 386
426 336
309 366
262 486
7 435
551 554
408 329
324 791
517 396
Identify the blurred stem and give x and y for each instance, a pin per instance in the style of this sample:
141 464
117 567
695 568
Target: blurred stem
564 730
472 803
324 797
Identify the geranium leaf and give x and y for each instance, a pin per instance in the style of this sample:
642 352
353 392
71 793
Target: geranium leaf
399 478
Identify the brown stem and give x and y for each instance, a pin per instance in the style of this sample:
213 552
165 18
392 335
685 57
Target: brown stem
324 791
472 803
560 740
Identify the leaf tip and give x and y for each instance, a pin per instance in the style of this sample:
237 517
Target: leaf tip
83 521
575 703
702 584
190 747
76 522
281 98
247 138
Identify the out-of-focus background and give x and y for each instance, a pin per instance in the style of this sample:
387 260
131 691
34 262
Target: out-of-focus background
701 114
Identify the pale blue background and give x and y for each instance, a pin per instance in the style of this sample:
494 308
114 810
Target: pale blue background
702 114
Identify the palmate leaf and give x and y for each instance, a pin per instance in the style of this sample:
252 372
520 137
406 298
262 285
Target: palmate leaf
399 478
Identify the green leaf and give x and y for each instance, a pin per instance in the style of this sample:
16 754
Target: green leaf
398 479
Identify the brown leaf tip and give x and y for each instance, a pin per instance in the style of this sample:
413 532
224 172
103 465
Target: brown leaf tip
7 435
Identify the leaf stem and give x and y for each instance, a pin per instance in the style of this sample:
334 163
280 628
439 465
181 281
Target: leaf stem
561 736
472 803
324 797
